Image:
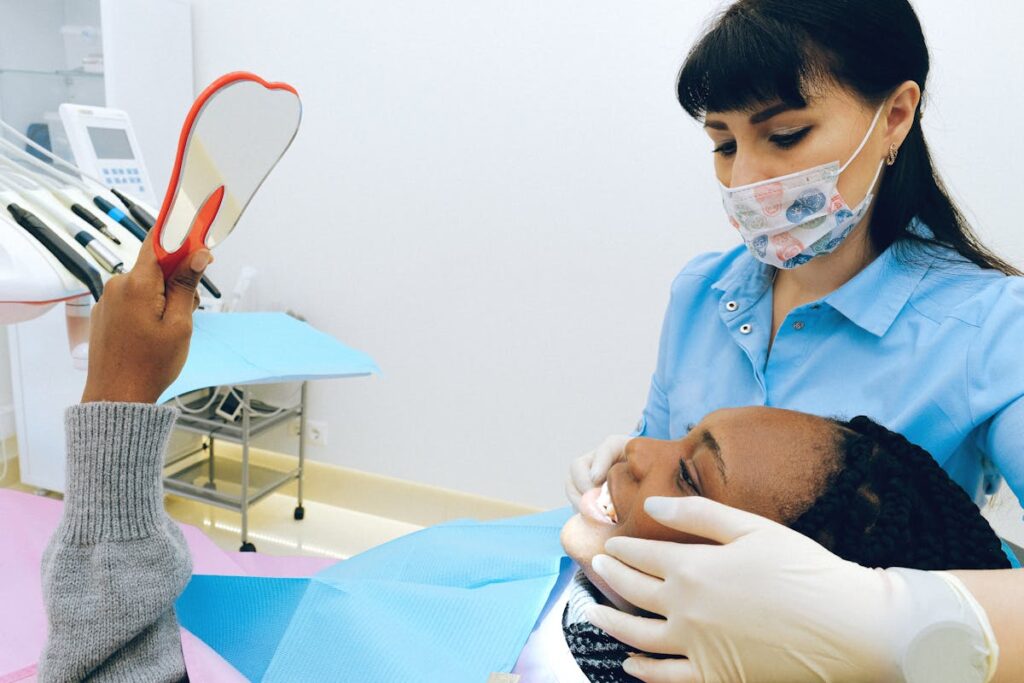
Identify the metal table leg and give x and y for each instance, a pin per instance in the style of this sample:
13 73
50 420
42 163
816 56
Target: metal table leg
246 545
300 512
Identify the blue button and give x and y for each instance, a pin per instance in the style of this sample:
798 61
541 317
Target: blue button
106 171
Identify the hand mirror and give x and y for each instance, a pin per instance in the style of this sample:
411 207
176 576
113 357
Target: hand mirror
234 134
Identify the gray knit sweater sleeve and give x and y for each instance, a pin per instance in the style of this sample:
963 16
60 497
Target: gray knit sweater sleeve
116 563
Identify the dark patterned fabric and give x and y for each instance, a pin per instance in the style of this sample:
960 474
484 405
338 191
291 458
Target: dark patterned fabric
598 654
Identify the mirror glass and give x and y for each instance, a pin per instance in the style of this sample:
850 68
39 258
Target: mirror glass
237 137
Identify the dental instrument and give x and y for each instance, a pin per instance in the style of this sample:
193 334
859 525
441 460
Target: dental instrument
138 213
68 257
235 133
146 220
44 201
64 194
76 181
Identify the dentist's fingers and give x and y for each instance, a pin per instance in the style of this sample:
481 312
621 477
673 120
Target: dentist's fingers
650 670
643 633
606 455
579 481
635 587
705 518
654 558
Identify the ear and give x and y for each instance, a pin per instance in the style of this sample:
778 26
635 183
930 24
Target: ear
902 110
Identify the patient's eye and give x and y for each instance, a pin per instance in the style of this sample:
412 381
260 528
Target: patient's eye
686 478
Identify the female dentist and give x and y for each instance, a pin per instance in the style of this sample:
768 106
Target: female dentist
859 288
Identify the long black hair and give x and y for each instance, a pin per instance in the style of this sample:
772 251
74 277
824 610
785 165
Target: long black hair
762 51
889 504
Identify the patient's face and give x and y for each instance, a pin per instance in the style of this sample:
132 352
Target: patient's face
764 460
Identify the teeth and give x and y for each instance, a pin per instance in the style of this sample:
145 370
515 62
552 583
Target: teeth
604 501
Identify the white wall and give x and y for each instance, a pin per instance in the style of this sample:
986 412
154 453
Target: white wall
492 199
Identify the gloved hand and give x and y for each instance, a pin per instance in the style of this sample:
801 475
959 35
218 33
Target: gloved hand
772 605
590 470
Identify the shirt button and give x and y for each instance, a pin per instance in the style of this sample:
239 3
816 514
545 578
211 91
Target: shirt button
745 328
731 306
798 325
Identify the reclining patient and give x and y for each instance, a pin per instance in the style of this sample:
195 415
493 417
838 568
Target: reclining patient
116 564
865 493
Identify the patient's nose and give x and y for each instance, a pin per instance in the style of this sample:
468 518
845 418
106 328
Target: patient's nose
640 454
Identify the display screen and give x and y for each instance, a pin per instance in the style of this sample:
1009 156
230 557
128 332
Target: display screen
110 143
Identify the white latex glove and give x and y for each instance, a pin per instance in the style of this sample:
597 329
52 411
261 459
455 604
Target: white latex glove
772 605
590 470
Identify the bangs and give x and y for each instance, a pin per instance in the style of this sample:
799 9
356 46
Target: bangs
747 59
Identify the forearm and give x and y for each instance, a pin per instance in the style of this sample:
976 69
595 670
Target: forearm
1001 593
116 562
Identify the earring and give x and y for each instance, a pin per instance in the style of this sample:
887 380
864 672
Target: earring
890 158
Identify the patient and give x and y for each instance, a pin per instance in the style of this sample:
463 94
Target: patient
865 493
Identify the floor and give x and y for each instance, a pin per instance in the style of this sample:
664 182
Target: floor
326 530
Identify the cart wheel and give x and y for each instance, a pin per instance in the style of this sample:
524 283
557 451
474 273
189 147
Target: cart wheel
300 512
247 548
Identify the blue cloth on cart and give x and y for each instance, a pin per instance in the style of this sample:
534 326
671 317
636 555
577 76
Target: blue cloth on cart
453 602
251 348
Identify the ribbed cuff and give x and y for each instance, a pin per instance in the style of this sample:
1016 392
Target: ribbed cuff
114 471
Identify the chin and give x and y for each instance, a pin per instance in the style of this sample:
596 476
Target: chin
582 539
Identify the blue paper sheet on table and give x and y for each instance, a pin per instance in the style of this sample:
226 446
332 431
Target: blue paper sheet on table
454 602
252 348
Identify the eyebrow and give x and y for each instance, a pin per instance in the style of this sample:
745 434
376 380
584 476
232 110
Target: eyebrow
758 117
708 440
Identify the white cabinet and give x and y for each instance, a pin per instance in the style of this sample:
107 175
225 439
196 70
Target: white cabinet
134 55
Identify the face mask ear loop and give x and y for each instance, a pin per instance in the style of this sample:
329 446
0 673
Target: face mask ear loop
863 142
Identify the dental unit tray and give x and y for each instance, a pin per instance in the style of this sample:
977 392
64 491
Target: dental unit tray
237 350
32 277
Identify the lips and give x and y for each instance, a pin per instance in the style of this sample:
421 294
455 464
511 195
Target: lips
597 505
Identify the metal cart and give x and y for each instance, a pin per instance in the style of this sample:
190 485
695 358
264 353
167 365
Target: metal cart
227 483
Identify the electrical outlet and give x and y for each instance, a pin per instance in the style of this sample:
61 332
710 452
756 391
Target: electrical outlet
293 427
316 432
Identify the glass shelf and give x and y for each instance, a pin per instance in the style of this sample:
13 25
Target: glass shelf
64 73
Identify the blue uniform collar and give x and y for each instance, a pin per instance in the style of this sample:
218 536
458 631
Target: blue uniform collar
871 299
875 296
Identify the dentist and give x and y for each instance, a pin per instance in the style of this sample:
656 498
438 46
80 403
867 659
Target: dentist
859 287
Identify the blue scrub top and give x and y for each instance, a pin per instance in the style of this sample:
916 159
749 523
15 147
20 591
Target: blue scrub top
921 340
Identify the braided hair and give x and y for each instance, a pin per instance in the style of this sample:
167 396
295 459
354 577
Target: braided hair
889 504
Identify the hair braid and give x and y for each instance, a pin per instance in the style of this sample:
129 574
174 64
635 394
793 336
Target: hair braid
890 504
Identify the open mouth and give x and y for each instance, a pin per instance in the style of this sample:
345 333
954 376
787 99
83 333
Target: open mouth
597 505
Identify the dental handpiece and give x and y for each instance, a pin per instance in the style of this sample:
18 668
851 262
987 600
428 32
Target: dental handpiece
147 221
71 202
119 216
90 218
137 212
103 256
52 210
67 256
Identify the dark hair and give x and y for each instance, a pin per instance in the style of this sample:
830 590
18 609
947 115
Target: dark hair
890 504
760 51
